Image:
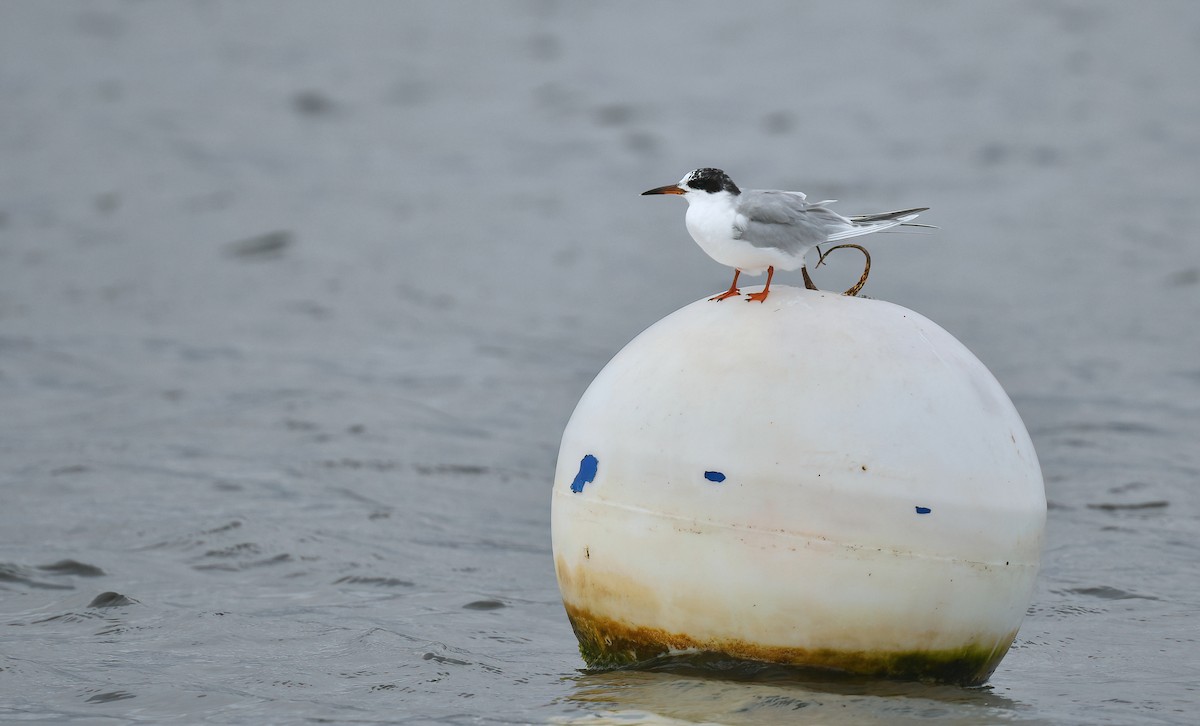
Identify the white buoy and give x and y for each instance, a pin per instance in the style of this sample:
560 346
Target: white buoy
817 480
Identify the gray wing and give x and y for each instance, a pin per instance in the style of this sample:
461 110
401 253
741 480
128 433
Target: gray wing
784 220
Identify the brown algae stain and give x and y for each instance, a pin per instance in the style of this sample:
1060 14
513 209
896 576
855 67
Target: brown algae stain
606 643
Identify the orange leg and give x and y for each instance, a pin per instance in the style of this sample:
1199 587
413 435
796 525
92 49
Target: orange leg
762 296
733 288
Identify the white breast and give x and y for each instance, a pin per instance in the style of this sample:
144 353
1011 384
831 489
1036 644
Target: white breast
710 219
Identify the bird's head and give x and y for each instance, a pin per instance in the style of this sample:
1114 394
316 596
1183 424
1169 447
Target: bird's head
701 182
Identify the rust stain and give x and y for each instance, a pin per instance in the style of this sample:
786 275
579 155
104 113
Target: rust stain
606 643
582 582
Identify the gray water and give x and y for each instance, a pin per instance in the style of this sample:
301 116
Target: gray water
297 297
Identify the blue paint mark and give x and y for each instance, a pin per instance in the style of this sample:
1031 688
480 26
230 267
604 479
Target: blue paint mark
923 510
716 476
587 473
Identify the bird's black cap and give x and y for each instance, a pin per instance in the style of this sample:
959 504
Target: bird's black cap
711 181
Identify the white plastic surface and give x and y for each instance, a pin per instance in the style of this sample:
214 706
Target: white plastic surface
814 472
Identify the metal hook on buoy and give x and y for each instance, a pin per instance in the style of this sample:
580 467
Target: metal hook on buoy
858 286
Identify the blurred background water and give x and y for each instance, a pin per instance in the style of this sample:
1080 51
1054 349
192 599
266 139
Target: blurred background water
296 298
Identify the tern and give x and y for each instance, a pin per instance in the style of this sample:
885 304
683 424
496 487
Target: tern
761 229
